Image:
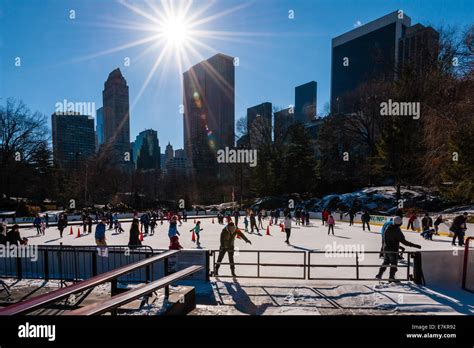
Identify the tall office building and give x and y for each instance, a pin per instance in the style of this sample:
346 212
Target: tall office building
418 48
305 102
169 153
177 164
99 129
259 124
284 119
368 52
116 125
73 138
146 150
209 116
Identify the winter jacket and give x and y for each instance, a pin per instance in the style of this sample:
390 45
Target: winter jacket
100 231
458 224
228 238
37 222
14 238
392 238
365 217
134 235
331 220
426 223
173 230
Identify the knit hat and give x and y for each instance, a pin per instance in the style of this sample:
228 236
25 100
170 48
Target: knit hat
397 220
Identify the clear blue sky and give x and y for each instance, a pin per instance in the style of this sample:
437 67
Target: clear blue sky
276 53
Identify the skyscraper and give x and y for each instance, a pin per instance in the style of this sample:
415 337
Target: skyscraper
367 52
305 102
177 164
209 111
283 121
169 153
146 150
100 126
418 48
259 124
73 138
116 114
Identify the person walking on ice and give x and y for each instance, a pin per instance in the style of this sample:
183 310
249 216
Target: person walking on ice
253 222
288 225
331 224
197 229
392 238
365 220
228 235
246 223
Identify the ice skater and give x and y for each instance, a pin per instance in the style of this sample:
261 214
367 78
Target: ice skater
392 238
331 224
197 230
287 223
228 235
365 220
173 234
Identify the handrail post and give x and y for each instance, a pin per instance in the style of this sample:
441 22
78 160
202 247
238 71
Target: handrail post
357 265
304 264
408 266
113 287
309 264
147 269
465 263
208 271
167 288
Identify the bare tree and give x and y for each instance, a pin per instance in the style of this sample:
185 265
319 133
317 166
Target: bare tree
23 137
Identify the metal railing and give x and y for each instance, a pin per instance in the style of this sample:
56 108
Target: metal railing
357 265
74 263
259 264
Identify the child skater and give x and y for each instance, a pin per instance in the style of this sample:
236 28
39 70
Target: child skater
173 234
197 229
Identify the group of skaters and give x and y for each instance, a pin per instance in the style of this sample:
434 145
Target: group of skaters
392 237
12 236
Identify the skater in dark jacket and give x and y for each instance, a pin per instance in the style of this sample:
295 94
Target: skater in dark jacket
365 220
228 235
62 223
458 227
438 221
392 238
14 238
253 222
134 240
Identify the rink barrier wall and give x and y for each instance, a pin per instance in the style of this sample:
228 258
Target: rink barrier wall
379 220
468 266
75 263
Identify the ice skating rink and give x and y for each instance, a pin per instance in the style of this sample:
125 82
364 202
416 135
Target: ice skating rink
313 237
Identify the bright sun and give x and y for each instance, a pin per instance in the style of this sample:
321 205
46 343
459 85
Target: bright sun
175 30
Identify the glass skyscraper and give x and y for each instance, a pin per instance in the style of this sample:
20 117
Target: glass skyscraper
73 139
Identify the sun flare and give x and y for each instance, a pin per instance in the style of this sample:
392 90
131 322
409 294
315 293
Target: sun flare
175 30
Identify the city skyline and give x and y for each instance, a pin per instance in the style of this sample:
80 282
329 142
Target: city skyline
151 111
